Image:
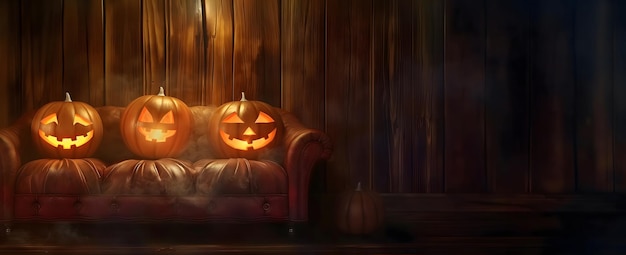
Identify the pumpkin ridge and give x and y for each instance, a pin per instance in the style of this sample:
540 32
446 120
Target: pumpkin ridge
94 118
46 108
363 219
138 167
348 209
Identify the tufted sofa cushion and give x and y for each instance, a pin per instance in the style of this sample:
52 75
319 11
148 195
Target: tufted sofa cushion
239 176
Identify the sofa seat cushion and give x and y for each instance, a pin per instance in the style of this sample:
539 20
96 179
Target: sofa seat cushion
165 177
239 176
60 176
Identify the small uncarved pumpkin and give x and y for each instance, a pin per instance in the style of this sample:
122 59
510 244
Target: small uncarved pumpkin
67 129
360 212
60 176
244 129
165 176
156 126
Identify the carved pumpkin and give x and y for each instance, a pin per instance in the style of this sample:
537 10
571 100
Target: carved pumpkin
60 176
165 176
156 126
244 128
67 129
360 212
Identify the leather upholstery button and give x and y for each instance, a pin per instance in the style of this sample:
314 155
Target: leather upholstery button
78 205
266 206
211 206
36 207
114 206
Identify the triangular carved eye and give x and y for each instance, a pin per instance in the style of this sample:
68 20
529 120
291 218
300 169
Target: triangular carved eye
49 119
232 118
168 118
145 116
80 120
264 118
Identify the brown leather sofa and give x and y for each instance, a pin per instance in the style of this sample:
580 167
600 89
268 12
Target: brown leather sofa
273 187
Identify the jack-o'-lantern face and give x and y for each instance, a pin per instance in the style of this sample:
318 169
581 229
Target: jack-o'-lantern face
153 130
51 122
245 129
255 135
156 126
67 129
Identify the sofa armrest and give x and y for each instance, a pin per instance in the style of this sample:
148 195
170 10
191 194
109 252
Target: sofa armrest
304 147
10 161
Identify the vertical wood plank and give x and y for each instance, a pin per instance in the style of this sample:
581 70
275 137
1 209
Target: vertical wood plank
123 48
464 96
348 81
594 88
552 97
428 52
218 22
185 51
10 101
83 50
619 93
393 103
257 50
42 52
507 95
154 42
302 57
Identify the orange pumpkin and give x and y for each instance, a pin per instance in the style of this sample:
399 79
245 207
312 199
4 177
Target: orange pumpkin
156 126
244 129
360 212
67 129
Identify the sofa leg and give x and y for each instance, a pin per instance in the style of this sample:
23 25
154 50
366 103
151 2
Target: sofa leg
7 228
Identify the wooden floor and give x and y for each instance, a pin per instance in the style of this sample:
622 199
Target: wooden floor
394 238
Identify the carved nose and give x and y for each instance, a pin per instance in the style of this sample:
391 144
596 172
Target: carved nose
249 132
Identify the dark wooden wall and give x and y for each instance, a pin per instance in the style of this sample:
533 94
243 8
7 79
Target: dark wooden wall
418 96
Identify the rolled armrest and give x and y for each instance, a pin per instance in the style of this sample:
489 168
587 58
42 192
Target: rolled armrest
10 161
305 147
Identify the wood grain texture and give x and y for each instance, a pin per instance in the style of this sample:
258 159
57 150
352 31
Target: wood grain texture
10 69
594 89
507 94
552 100
302 57
154 30
428 52
464 96
185 51
394 112
619 94
123 48
83 50
348 81
218 22
42 52
257 50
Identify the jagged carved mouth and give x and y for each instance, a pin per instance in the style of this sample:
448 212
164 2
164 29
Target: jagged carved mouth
67 142
155 134
247 145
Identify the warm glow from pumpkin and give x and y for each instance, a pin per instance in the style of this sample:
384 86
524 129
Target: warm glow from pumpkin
155 134
247 145
66 142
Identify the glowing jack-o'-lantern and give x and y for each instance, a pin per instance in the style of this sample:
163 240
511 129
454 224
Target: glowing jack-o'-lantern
156 126
67 129
244 128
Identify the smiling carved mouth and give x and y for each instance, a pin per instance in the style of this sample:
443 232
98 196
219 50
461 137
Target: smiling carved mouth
247 145
157 135
67 143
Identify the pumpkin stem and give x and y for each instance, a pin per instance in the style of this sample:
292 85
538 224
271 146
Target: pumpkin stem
243 97
67 97
358 186
161 92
